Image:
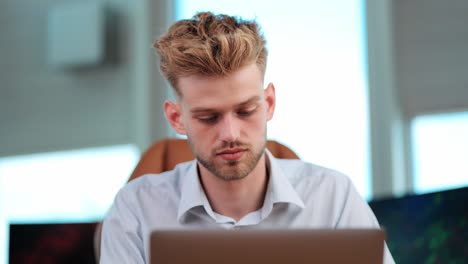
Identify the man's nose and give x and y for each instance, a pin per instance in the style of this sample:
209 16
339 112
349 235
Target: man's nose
229 128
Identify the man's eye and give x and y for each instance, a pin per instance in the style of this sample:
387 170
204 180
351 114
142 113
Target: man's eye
208 119
247 112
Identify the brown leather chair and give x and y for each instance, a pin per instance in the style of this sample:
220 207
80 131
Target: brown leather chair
165 154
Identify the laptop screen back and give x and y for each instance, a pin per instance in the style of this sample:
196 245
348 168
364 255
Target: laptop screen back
268 246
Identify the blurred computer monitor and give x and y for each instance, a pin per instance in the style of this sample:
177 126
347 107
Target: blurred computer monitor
427 228
51 243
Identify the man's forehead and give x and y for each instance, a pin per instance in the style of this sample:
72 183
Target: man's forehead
249 74
207 92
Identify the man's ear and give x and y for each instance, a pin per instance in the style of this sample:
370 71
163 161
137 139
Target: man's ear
270 98
173 115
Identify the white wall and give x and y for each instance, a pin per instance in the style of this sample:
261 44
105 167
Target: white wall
418 64
43 108
431 44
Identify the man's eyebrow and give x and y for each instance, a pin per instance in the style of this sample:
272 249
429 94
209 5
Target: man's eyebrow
251 100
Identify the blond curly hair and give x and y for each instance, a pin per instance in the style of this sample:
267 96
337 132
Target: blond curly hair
210 45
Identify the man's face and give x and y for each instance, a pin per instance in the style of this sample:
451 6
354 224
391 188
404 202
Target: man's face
224 119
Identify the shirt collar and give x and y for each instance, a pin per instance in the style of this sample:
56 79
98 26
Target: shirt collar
192 193
279 190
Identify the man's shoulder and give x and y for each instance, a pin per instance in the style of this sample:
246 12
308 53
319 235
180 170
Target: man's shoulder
152 183
298 170
325 190
303 169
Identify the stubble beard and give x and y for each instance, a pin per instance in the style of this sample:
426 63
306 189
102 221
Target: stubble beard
232 170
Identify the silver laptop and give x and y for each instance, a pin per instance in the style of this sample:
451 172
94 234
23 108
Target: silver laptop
267 246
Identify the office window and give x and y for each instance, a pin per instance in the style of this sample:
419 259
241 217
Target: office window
440 151
66 186
317 61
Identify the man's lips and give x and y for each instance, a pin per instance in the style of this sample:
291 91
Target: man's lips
231 154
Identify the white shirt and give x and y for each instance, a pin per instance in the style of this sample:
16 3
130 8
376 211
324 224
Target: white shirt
299 195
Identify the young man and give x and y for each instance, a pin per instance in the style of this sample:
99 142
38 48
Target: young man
216 65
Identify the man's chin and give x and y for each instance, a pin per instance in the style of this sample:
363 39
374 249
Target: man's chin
230 172
231 176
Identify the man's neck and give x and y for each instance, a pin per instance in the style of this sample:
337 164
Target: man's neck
236 198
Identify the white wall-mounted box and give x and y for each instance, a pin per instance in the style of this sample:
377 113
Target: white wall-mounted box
76 34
